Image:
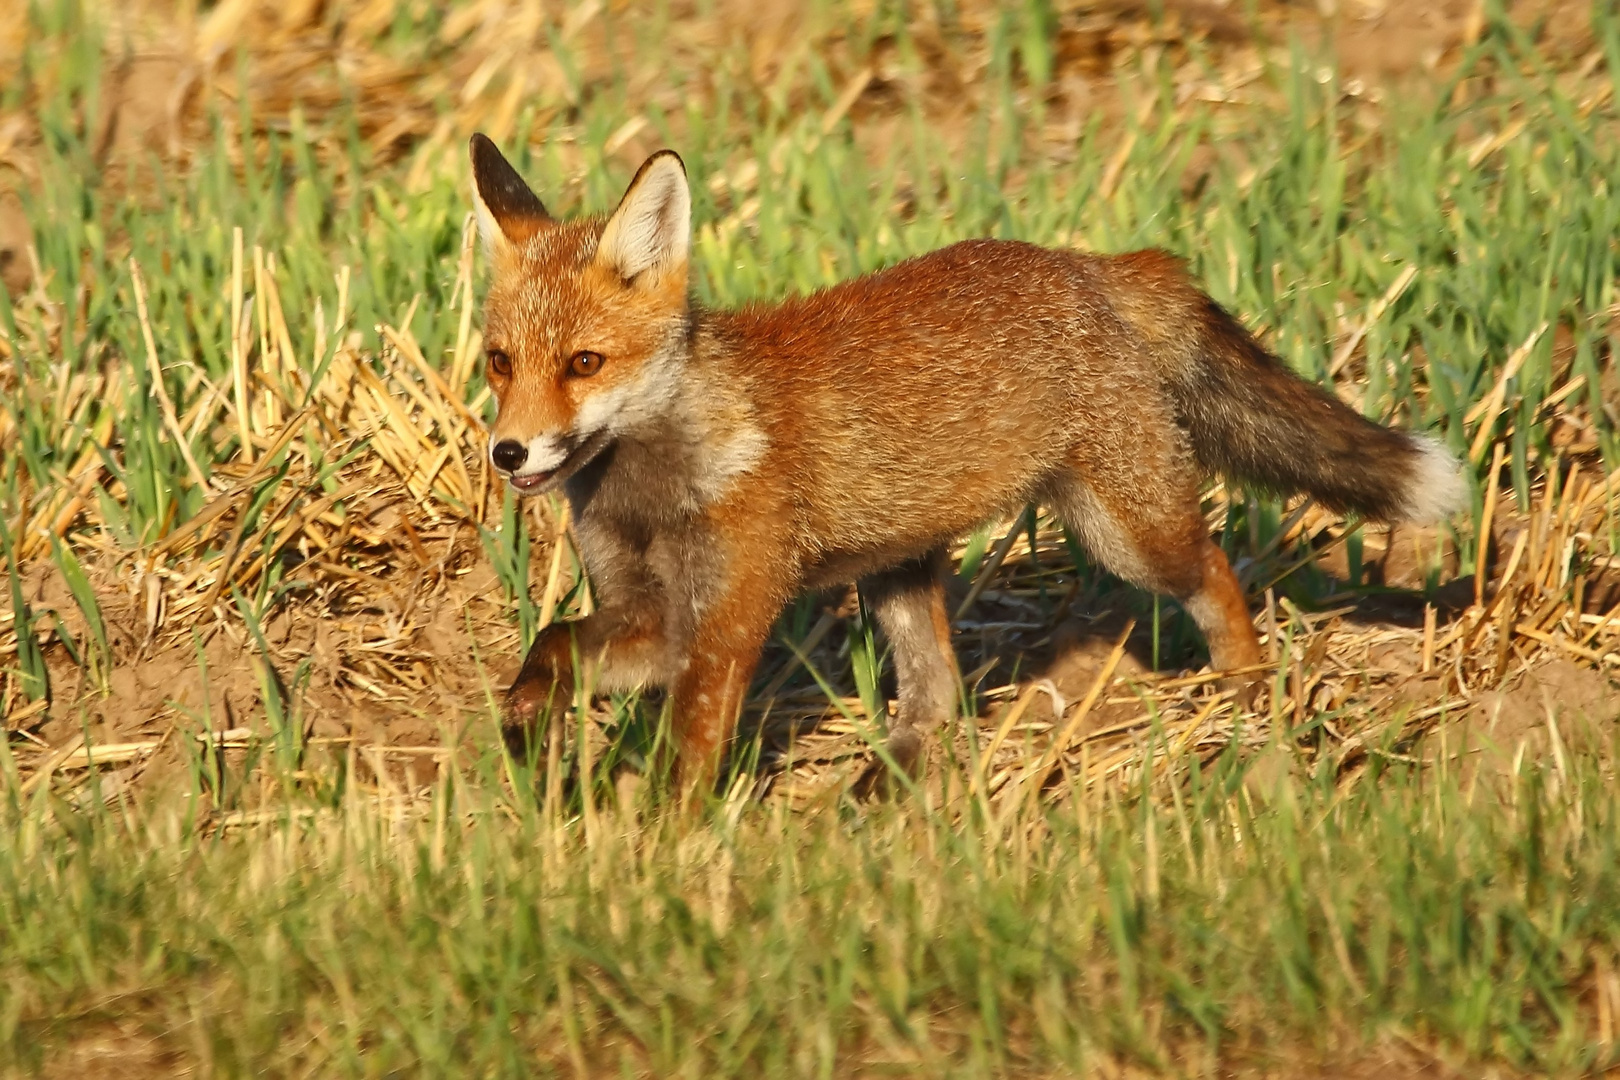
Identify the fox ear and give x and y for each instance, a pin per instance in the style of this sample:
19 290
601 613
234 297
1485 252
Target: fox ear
504 204
652 228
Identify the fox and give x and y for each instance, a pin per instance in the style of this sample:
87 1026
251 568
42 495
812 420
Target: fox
717 463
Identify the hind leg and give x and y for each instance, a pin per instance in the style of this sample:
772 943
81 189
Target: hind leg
1152 534
909 602
1218 607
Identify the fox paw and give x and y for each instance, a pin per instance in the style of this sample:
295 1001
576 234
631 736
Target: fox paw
1245 690
879 779
520 711
526 698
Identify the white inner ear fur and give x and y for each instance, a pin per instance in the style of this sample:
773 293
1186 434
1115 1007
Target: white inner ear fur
488 231
652 228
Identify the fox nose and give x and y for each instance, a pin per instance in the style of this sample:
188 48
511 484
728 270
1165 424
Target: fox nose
508 455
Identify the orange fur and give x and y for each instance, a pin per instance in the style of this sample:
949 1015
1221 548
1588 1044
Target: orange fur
717 462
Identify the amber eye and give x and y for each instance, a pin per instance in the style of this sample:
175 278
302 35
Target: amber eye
500 365
585 364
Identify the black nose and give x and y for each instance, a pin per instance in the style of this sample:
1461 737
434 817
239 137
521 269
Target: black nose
508 455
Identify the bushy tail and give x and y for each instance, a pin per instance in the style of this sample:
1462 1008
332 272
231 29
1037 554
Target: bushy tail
1252 418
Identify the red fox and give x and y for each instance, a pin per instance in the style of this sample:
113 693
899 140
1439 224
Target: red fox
718 462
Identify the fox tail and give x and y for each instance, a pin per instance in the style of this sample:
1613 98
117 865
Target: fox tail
1252 418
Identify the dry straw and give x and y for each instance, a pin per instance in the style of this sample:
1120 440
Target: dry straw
415 490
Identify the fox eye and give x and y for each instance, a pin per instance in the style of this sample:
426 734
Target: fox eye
500 365
585 364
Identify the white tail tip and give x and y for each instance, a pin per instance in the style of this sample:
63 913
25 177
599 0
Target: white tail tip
1436 487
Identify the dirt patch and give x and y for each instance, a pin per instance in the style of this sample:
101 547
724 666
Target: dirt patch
1555 707
1079 653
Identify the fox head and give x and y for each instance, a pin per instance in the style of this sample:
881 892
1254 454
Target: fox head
585 322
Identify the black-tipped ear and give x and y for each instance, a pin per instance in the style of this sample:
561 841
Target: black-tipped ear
503 201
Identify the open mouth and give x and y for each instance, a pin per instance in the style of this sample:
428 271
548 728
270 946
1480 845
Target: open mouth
533 482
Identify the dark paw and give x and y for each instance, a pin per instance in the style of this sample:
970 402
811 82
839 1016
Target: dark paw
525 703
1245 690
524 742
525 700
878 779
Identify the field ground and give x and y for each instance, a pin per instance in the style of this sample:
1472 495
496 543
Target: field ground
261 593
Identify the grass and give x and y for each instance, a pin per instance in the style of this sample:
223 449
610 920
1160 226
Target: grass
242 404
1207 928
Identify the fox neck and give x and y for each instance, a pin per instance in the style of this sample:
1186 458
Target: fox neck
685 436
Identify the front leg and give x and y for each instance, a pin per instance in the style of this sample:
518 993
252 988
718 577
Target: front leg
617 648
708 694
